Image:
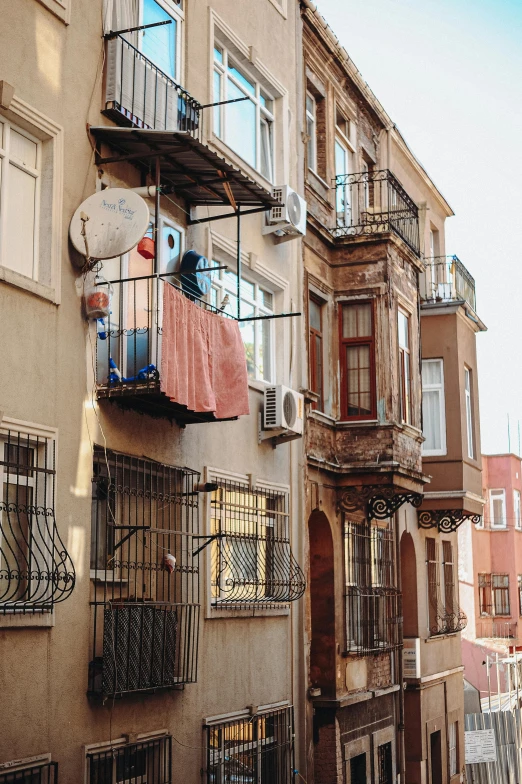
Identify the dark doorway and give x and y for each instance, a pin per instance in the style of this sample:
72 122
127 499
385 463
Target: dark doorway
322 650
358 769
436 757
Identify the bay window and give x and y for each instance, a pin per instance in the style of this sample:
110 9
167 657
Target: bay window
246 126
433 407
357 355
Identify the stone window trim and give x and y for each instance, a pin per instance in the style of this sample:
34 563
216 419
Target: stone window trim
354 749
60 9
49 132
211 611
379 738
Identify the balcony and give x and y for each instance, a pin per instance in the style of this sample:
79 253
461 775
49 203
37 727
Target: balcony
496 630
374 202
140 95
144 577
446 279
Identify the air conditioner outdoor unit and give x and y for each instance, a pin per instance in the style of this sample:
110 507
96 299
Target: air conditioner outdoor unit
290 218
284 410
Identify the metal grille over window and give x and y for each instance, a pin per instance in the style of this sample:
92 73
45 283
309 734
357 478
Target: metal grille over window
252 561
372 600
36 571
445 615
144 592
145 762
252 749
46 773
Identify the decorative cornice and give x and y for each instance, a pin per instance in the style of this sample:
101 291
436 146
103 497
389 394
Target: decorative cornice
446 520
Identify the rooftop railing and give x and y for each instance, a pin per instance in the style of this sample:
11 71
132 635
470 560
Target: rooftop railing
138 93
446 279
374 202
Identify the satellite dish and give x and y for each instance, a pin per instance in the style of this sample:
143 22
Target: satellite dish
112 221
194 283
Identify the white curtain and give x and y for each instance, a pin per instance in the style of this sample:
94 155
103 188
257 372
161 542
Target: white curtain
119 15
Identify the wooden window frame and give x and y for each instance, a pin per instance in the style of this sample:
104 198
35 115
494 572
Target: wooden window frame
406 408
359 341
503 589
314 336
485 596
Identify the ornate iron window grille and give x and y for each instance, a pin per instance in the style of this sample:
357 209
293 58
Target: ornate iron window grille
144 762
376 203
36 571
251 557
372 600
139 94
252 749
39 773
144 575
444 613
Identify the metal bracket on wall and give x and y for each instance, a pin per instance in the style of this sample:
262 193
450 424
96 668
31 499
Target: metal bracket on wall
446 520
277 436
378 501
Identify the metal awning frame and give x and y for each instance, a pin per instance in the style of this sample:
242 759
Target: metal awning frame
156 156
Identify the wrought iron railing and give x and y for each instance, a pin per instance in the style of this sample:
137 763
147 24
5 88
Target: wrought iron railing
144 762
446 279
502 630
138 93
372 620
252 749
374 202
36 571
251 558
145 583
38 773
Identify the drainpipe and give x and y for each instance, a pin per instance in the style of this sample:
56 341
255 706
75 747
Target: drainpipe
400 663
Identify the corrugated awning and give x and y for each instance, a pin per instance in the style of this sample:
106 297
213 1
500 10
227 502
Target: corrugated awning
196 172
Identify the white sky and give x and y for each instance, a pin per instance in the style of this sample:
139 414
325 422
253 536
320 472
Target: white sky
449 74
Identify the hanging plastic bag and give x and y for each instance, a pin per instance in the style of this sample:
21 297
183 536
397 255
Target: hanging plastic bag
97 299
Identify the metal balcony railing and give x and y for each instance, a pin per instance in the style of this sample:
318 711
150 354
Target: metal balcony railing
446 279
374 202
138 93
372 620
501 630
37 773
144 576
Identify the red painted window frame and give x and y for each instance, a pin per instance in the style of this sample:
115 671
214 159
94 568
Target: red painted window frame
363 341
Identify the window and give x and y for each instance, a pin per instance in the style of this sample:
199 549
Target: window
160 44
35 567
315 321
516 508
434 244
358 769
145 601
20 178
311 131
444 613
343 169
246 126
384 762
342 124
469 411
433 407
449 578
497 508
371 597
500 591
251 559
39 772
484 588
357 361
519 579
255 749
404 366
144 762
453 760
432 564
256 300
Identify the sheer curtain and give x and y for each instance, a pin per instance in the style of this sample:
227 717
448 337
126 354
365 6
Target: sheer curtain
120 14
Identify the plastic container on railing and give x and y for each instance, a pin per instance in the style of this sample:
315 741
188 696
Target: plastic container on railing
97 299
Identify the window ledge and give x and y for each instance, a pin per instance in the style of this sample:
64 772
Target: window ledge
260 386
27 620
251 612
59 8
236 159
28 284
434 637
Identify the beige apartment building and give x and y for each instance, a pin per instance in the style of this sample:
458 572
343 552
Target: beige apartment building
151 553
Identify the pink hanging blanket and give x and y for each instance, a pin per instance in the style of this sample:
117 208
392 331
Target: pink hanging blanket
203 363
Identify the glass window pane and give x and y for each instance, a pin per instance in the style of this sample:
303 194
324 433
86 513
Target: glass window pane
217 98
266 148
267 299
432 372
218 54
315 315
431 414
310 104
403 330
20 222
249 87
159 43
357 321
247 289
22 149
265 352
247 333
241 125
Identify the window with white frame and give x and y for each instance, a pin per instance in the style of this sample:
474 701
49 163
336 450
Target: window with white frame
255 749
343 169
516 508
311 131
469 411
433 407
39 770
258 336
497 508
147 761
246 126
452 748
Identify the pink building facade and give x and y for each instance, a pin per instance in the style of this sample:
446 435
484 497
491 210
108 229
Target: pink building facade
490 573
